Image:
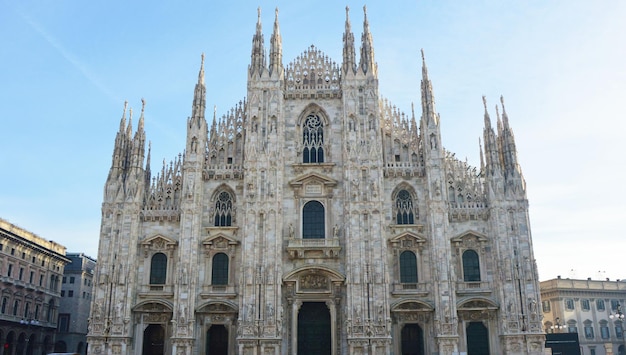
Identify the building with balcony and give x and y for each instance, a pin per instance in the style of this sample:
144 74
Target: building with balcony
76 291
589 308
31 269
315 217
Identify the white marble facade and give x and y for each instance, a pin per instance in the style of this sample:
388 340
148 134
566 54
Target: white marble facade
316 218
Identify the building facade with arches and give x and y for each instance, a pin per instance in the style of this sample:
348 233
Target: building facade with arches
315 217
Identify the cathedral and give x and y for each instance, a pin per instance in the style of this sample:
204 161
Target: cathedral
315 217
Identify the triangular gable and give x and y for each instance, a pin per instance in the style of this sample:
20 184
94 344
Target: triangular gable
159 241
415 237
312 178
469 235
219 241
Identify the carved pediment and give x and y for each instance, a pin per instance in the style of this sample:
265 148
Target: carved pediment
477 304
409 306
470 239
152 306
218 307
219 241
158 243
407 240
313 179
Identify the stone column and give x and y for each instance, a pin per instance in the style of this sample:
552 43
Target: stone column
295 308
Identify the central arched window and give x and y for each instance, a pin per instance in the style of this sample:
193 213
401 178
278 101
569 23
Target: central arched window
313 140
223 210
219 269
408 267
313 220
158 269
404 208
471 266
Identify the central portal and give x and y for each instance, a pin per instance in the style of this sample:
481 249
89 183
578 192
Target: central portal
314 336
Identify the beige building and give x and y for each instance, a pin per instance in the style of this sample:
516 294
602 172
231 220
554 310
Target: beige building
315 217
589 308
30 271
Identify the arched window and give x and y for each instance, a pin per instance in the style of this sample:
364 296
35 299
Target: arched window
404 208
50 314
408 267
313 140
223 210
313 220
219 269
158 269
471 266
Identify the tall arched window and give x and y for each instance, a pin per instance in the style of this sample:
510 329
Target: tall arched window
313 220
404 208
471 266
313 140
408 267
219 269
158 269
223 210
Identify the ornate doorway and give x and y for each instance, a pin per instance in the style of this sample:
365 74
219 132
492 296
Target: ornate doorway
412 340
153 340
217 340
477 339
314 335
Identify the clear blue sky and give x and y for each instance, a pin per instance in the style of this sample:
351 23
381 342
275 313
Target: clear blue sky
66 68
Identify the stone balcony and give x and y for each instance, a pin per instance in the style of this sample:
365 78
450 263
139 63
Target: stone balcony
211 291
156 291
413 289
319 248
474 287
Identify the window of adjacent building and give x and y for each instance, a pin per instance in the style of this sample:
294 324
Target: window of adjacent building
16 306
40 280
408 267
604 330
569 304
588 330
5 301
10 270
404 208
1 246
614 305
50 311
600 305
37 311
23 256
64 322
21 274
619 330
223 210
571 327
31 277
12 251
84 294
471 266
64 279
33 259
26 309
158 269
313 221
219 269
585 305
592 351
545 306
72 279
70 293
313 140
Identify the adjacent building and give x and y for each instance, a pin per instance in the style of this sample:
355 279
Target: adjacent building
589 308
315 217
31 269
76 290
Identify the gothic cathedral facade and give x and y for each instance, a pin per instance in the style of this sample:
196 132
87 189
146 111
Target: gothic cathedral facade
315 217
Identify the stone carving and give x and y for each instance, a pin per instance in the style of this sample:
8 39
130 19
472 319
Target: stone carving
313 282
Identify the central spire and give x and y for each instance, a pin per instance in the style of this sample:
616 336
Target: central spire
257 63
276 49
368 65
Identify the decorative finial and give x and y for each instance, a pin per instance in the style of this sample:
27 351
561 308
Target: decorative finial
276 11
259 12
143 105
202 59
485 102
423 58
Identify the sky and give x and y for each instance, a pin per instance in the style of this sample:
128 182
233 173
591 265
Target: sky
66 68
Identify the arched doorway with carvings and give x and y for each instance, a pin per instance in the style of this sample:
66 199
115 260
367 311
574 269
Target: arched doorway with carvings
218 320
312 296
478 320
412 327
153 327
